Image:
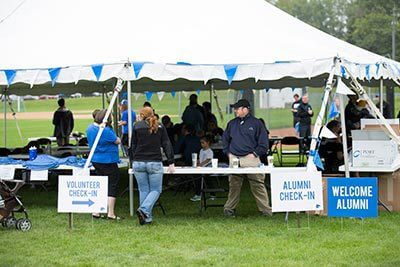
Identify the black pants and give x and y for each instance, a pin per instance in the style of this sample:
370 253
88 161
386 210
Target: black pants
305 132
111 170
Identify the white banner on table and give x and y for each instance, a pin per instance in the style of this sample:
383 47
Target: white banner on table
82 194
7 172
296 191
39 175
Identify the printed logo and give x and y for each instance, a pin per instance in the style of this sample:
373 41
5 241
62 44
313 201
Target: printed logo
356 153
251 128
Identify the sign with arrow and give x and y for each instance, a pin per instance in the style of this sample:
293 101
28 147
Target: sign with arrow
82 194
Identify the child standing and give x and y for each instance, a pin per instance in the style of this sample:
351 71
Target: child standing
205 157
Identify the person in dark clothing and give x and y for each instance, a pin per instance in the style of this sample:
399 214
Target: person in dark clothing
169 126
208 115
387 110
305 112
331 150
145 153
188 144
295 105
194 114
63 122
352 115
245 139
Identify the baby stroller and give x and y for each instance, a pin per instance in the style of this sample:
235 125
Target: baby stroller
11 204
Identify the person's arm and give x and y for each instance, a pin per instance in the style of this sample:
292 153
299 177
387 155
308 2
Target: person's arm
226 138
132 148
310 111
262 141
166 145
72 120
56 118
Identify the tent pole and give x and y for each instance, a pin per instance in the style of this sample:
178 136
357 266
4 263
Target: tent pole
5 115
318 122
131 204
344 136
381 96
117 89
103 101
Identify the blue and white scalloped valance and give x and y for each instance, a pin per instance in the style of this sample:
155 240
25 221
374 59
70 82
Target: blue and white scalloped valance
193 72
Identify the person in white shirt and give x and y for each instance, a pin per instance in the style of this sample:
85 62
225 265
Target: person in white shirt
205 157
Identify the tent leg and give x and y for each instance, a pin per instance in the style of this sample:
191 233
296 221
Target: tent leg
5 115
344 136
318 123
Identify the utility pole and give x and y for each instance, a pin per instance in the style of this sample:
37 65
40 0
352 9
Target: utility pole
390 89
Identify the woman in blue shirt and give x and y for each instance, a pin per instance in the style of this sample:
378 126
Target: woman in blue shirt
105 158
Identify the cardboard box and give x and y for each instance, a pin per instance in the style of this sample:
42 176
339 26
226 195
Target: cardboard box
389 190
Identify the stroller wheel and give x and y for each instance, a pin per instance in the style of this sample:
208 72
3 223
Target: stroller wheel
24 225
10 222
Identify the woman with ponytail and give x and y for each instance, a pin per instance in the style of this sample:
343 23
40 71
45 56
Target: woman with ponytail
145 153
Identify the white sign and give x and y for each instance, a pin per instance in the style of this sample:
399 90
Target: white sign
39 175
82 194
374 153
7 172
296 191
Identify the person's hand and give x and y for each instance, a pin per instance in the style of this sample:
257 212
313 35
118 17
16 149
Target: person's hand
310 111
118 141
171 168
251 155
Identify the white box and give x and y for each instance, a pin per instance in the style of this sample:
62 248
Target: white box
374 153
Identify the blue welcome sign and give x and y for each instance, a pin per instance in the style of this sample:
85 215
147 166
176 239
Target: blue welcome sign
353 197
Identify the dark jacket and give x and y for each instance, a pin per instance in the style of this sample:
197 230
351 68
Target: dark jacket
63 121
302 113
193 116
147 147
187 145
244 136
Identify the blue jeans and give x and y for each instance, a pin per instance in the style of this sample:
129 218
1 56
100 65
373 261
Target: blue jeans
149 178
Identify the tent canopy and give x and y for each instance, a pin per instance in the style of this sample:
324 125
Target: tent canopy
169 45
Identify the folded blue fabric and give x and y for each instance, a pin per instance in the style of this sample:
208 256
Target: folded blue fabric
73 161
41 163
8 160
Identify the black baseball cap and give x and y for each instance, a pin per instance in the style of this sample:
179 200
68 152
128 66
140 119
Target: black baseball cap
241 103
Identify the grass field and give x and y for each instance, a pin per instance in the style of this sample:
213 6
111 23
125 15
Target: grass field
184 237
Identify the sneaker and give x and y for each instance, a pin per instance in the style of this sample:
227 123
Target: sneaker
229 213
195 198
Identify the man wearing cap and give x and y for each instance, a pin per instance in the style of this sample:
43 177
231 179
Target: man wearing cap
246 138
124 122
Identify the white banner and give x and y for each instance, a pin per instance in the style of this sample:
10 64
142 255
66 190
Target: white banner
296 191
82 194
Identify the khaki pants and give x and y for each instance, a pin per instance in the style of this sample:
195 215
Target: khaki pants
256 182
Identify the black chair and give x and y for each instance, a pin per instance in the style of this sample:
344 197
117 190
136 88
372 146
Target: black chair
291 147
217 189
83 142
4 152
45 144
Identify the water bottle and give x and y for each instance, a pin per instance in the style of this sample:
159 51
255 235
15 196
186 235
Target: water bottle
32 153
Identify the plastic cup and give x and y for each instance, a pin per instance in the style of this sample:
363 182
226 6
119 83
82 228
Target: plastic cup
214 163
270 160
235 163
194 160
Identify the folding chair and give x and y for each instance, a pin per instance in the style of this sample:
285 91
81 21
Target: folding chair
290 146
205 190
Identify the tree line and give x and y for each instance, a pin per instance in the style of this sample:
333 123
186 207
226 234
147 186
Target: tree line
369 24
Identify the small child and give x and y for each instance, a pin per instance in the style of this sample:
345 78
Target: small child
205 157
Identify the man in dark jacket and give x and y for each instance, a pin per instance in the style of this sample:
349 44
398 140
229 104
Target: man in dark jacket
63 122
305 112
194 114
246 139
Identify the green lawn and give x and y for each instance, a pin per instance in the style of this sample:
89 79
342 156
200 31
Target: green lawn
184 237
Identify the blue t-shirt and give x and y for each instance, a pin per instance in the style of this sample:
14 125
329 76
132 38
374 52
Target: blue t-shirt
106 150
124 117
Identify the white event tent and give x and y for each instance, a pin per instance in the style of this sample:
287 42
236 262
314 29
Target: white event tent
66 45
172 45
